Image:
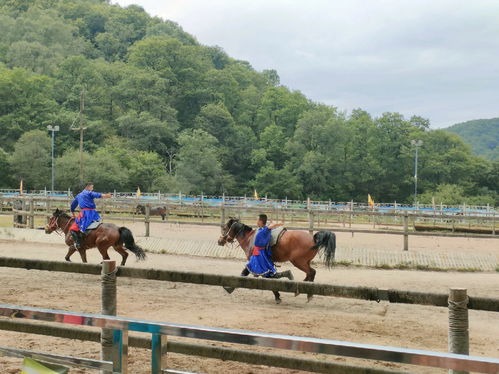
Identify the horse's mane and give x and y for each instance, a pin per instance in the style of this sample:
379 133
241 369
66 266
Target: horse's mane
62 214
241 227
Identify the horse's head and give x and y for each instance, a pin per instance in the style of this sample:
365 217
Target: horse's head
229 231
140 209
54 221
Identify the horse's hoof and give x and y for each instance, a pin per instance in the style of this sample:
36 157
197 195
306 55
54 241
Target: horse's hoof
309 298
278 301
229 289
67 259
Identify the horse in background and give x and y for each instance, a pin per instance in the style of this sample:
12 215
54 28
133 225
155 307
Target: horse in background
153 211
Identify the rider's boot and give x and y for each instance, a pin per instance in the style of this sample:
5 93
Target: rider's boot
285 274
76 238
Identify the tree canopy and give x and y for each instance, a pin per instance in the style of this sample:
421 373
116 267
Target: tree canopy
163 111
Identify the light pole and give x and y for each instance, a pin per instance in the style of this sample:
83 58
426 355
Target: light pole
417 144
53 129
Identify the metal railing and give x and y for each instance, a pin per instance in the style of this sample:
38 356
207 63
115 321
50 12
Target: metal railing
245 201
160 330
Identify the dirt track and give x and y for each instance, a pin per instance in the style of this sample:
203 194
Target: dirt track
409 326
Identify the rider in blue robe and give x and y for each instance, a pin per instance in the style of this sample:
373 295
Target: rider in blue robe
260 263
88 214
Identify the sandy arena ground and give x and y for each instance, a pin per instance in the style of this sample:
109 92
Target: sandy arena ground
410 326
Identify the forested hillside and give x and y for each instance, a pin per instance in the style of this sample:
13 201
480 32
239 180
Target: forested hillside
481 134
164 112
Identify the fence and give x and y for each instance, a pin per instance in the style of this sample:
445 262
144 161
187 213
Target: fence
248 201
160 330
311 219
116 360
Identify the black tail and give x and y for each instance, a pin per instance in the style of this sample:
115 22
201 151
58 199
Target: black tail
129 242
326 240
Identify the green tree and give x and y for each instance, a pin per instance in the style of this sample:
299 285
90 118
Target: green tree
277 184
216 120
5 173
198 166
25 104
148 133
31 159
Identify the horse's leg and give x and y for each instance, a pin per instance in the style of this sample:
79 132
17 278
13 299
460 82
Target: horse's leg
309 271
103 250
83 255
119 248
277 297
244 273
311 277
71 250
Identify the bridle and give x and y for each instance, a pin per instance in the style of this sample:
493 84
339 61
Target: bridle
54 224
226 236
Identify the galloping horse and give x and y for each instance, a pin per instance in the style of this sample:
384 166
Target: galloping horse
103 237
298 247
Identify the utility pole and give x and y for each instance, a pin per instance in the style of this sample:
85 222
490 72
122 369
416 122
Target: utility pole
53 129
81 129
416 144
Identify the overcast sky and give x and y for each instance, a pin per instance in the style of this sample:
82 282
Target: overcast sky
435 58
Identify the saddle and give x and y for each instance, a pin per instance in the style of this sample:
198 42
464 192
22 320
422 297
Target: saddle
94 225
276 235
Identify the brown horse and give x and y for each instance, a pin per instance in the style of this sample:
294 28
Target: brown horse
103 237
153 211
298 247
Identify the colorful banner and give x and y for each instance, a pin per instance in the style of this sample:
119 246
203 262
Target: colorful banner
370 201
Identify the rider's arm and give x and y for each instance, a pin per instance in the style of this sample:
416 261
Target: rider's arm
98 195
74 205
274 225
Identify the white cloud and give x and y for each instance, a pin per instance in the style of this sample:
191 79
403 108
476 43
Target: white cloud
433 58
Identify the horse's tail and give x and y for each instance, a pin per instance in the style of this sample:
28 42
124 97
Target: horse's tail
326 240
129 242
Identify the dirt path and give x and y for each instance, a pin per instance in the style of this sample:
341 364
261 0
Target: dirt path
411 326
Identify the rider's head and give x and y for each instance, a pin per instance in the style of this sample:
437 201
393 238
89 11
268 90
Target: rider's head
262 220
89 186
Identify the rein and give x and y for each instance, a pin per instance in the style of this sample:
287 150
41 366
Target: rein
65 226
240 243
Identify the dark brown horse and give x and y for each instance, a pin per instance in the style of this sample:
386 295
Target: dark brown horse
298 247
105 236
153 211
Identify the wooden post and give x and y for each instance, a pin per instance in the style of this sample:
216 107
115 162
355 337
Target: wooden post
310 222
31 213
222 215
406 231
108 307
458 324
202 208
351 215
146 219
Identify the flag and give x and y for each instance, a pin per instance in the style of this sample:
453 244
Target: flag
370 200
256 195
21 188
31 366
139 194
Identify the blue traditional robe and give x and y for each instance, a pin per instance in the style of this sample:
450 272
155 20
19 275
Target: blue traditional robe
260 263
88 214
